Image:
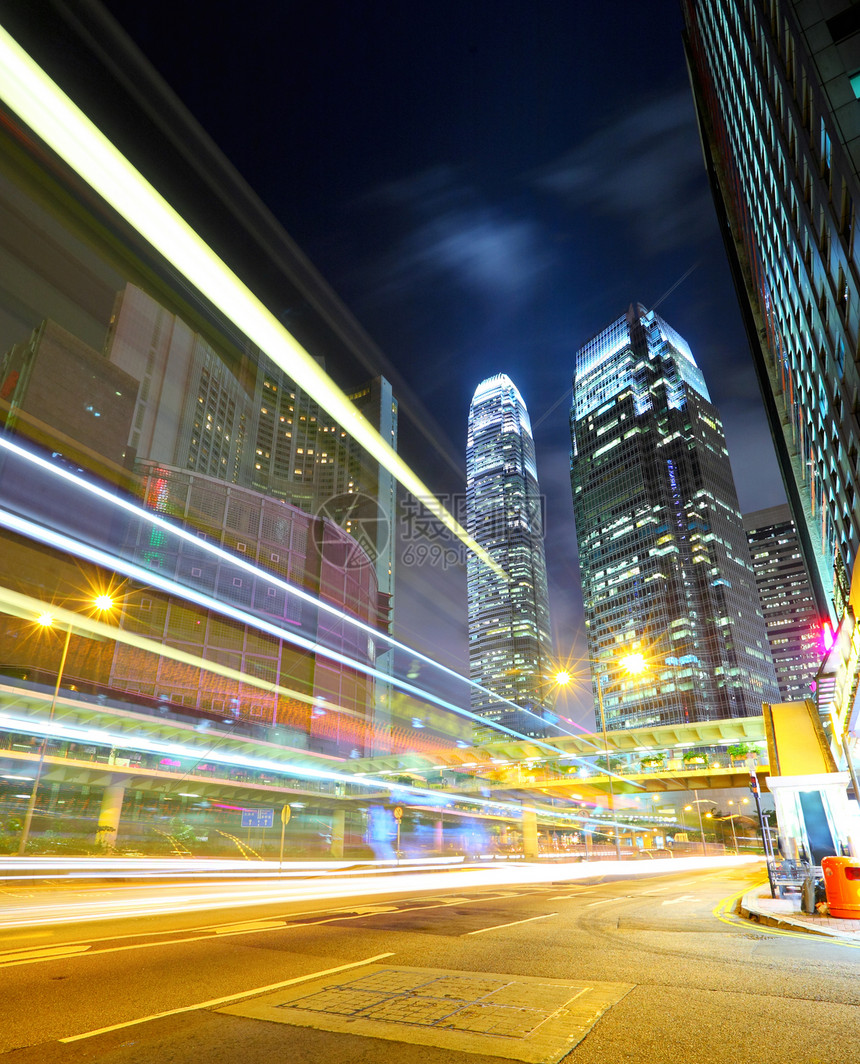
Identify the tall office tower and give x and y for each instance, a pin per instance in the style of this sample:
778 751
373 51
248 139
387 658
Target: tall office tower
793 626
776 89
305 458
192 411
510 648
664 559
250 425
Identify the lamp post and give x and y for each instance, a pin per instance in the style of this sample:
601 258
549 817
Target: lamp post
743 801
697 802
46 620
633 664
608 770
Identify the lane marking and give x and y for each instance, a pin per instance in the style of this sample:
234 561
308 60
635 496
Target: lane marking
226 930
224 1000
206 933
577 894
674 901
723 912
253 925
43 953
604 902
514 923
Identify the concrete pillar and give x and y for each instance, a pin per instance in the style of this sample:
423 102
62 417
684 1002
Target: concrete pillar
109 813
338 826
438 836
530 834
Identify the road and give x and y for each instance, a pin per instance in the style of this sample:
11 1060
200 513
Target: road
622 970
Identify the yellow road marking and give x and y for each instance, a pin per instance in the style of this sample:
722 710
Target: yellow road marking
43 953
205 934
722 911
252 925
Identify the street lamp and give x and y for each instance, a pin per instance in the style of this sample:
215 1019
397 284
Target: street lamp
733 816
697 801
633 664
710 816
103 603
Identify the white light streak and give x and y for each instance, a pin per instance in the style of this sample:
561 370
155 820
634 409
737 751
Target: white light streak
68 544
39 102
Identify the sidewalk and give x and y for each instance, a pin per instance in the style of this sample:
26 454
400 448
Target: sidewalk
757 905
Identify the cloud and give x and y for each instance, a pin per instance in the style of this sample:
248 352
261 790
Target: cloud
645 167
447 232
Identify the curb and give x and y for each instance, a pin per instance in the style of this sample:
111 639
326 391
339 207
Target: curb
747 909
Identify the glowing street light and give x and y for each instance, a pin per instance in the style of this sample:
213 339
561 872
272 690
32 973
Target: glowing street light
103 603
697 801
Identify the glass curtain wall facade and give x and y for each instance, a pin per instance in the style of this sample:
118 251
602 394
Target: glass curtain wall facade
200 614
777 99
776 90
793 627
663 555
510 647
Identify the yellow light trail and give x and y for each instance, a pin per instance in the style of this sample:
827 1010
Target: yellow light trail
46 109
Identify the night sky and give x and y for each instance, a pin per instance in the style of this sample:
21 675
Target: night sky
485 185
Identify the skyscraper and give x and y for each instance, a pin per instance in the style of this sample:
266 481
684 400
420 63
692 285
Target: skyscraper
776 88
793 627
510 648
664 559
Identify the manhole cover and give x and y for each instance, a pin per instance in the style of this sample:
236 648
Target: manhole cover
512 1016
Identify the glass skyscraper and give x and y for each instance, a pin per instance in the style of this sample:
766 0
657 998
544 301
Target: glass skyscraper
777 98
510 649
793 626
664 558
777 94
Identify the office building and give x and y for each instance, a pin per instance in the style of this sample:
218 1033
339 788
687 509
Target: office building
112 365
303 457
510 648
793 626
59 393
664 559
776 89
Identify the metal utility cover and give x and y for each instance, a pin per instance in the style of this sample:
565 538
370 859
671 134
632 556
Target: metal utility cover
512 1016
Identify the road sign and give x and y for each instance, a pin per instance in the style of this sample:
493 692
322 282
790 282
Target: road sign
258 818
286 813
398 812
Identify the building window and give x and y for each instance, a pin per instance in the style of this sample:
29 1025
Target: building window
826 153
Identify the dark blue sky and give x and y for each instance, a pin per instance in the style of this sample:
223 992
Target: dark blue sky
486 185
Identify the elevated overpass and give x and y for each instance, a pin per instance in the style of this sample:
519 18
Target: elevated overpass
115 749
575 766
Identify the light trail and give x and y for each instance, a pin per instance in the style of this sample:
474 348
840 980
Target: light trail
98 556
137 902
437 799
53 117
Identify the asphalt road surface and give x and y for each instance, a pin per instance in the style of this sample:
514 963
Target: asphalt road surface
635 970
